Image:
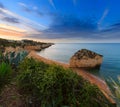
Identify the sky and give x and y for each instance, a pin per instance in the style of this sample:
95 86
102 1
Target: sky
61 20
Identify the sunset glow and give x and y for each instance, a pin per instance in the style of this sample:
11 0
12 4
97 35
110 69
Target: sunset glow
8 27
58 20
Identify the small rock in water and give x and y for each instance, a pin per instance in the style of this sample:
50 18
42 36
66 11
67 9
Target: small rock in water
86 59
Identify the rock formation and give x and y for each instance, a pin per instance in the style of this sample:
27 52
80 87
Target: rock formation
28 45
86 59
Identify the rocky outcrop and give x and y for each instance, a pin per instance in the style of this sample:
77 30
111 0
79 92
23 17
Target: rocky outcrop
33 48
12 49
37 47
86 59
28 45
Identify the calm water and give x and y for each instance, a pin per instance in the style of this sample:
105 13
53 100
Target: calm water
111 52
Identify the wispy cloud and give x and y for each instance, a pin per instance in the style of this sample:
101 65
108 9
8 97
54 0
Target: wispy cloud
105 13
67 27
31 10
4 26
83 29
52 4
13 19
62 26
24 7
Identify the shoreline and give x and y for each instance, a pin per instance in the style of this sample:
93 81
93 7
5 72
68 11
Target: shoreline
34 55
101 84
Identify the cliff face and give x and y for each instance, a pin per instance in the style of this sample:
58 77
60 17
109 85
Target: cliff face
37 47
28 45
86 59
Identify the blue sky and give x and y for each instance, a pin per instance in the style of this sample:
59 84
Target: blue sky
64 20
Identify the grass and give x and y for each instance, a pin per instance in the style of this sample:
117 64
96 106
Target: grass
115 88
53 86
43 85
5 74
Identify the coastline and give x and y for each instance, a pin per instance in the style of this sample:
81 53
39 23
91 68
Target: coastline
34 55
87 76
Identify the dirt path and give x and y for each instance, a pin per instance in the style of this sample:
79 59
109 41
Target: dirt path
10 97
90 77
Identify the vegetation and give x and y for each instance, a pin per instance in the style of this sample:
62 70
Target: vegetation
13 58
16 57
5 74
115 88
23 43
8 62
3 58
43 85
53 86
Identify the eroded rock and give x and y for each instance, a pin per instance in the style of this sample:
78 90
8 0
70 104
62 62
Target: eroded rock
86 59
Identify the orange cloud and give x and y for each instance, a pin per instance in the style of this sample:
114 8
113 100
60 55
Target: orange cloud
11 31
11 28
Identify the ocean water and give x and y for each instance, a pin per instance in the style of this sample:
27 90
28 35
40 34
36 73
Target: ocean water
110 51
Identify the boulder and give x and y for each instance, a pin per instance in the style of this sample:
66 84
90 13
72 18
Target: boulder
86 59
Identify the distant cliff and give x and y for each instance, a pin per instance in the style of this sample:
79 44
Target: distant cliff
23 44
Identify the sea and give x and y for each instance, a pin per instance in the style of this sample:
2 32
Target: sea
110 67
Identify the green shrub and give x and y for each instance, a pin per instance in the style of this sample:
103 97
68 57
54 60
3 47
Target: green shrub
3 58
14 58
31 72
115 88
53 86
5 74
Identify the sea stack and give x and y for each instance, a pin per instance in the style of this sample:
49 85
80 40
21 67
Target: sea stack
86 59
